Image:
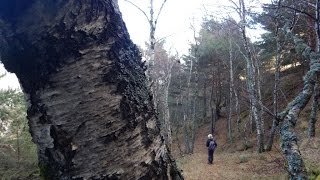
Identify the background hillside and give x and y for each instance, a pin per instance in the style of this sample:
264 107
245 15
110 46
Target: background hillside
237 161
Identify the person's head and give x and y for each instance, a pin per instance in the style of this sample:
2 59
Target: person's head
210 136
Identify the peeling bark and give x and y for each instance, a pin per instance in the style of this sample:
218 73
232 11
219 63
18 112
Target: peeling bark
90 112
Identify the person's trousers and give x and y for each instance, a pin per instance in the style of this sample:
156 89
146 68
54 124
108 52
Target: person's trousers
210 156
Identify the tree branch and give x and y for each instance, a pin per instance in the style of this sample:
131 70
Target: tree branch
155 22
292 8
144 13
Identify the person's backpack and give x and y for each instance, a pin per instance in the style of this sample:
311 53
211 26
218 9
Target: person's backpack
212 145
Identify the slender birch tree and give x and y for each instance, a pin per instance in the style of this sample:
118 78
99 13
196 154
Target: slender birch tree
158 82
251 77
276 78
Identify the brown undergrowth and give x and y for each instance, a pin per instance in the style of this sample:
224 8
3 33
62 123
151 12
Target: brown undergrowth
230 161
233 161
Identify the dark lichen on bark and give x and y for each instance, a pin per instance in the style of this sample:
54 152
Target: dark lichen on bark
289 117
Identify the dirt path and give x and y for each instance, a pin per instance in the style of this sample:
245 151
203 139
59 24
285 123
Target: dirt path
229 163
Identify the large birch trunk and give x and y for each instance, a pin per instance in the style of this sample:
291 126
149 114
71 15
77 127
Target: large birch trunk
90 112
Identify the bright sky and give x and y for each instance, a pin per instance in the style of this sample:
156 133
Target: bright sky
174 24
176 18
8 81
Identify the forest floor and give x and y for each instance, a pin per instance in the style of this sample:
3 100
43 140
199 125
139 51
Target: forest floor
231 161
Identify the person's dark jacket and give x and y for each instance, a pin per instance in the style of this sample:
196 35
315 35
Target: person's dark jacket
208 141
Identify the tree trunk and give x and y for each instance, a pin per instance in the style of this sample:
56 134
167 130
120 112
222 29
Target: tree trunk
89 105
212 109
275 96
250 77
167 111
313 114
316 93
194 126
258 87
152 34
194 118
188 122
237 107
289 116
230 91
186 134
204 100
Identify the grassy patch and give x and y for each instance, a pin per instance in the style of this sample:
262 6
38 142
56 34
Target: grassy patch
243 158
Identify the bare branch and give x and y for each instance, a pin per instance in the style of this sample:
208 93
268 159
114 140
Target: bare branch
284 96
262 106
2 75
163 38
295 9
144 13
235 4
229 20
155 22
242 53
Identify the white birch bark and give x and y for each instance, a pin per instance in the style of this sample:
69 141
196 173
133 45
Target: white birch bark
231 87
250 78
166 105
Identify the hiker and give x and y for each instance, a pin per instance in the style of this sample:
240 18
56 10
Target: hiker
211 144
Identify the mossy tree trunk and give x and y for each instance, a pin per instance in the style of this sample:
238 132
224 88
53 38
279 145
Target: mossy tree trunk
313 114
90 112
289 139
316 93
